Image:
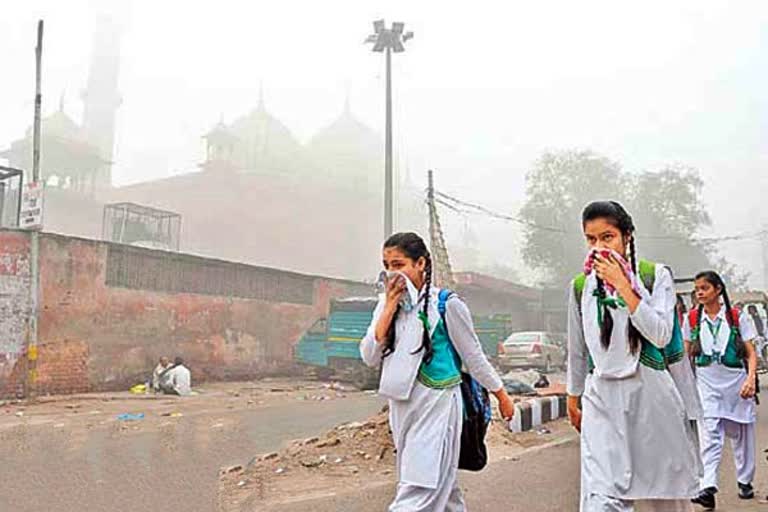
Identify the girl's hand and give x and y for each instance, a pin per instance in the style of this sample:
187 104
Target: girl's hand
611 272
395 289
749 388
574 412
506 405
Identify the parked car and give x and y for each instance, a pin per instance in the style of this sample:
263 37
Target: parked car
535 349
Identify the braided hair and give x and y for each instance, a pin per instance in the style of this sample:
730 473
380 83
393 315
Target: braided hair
615 214
413 246
715 280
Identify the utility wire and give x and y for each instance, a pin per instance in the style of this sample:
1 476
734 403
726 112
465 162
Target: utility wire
464 207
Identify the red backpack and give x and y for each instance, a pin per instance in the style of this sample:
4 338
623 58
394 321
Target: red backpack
693 318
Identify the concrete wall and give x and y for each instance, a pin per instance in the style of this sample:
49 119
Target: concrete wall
109 311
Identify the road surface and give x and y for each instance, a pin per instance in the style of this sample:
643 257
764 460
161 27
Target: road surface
79 457
545 479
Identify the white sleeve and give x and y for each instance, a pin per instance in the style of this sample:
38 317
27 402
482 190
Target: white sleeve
655 315
577 348
370 350
747 327
462 333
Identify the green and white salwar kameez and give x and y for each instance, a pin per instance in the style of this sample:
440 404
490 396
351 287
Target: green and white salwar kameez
636 440
720 377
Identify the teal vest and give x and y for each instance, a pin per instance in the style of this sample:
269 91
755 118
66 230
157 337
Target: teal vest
444 370
731 357
650 355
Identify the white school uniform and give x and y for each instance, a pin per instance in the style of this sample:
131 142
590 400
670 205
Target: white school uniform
426 423
636 442
725 413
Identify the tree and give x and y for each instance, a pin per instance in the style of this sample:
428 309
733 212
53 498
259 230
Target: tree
666 206
668 211
557 189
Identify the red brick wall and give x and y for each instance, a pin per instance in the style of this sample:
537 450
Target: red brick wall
14 310
98 337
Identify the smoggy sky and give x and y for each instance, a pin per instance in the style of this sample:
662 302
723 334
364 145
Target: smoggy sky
482 90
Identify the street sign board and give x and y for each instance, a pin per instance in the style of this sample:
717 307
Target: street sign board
32 207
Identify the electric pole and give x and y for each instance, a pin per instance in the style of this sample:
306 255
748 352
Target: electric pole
441 262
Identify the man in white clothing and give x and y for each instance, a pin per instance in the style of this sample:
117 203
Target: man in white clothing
179 379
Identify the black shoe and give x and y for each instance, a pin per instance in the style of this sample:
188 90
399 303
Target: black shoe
706 498
746 491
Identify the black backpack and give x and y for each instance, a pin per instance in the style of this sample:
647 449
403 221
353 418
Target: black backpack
473 455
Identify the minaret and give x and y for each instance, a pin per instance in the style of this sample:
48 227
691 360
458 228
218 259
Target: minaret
101 98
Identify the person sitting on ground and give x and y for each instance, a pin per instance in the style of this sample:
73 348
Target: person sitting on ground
160 373
178 381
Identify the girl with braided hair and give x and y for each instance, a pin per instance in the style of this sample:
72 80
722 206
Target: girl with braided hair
721 346
637 444
421 373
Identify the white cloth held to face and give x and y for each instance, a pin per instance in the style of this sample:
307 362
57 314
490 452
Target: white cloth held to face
400 368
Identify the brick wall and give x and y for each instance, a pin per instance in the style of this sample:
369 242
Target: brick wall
109 311
14 310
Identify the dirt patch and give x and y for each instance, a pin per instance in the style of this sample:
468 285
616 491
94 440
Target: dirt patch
350 453
351 456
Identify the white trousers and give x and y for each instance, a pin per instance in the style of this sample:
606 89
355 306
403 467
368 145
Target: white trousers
600 503
742 436
446 496
411 498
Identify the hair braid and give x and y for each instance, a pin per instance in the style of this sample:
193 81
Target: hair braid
733 321
426 340
606 329
635 338
389 346
696 344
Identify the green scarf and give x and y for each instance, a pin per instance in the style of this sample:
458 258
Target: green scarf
607 301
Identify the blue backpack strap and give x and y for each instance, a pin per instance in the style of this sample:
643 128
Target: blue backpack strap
442 300
479 395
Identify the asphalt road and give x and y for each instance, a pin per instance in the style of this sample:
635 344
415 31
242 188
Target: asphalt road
545 479
156 464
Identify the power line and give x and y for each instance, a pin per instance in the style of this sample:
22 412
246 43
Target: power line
491 213
464 207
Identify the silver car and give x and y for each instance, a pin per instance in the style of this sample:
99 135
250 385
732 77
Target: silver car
536 349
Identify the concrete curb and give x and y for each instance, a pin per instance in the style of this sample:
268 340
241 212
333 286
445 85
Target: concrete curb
535 412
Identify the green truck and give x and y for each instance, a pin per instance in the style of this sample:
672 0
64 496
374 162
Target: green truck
331 347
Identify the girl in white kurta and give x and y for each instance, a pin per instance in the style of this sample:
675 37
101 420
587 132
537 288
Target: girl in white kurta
425 414
635 434
726 363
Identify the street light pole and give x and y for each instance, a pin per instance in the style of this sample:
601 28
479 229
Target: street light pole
388 175
388 41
